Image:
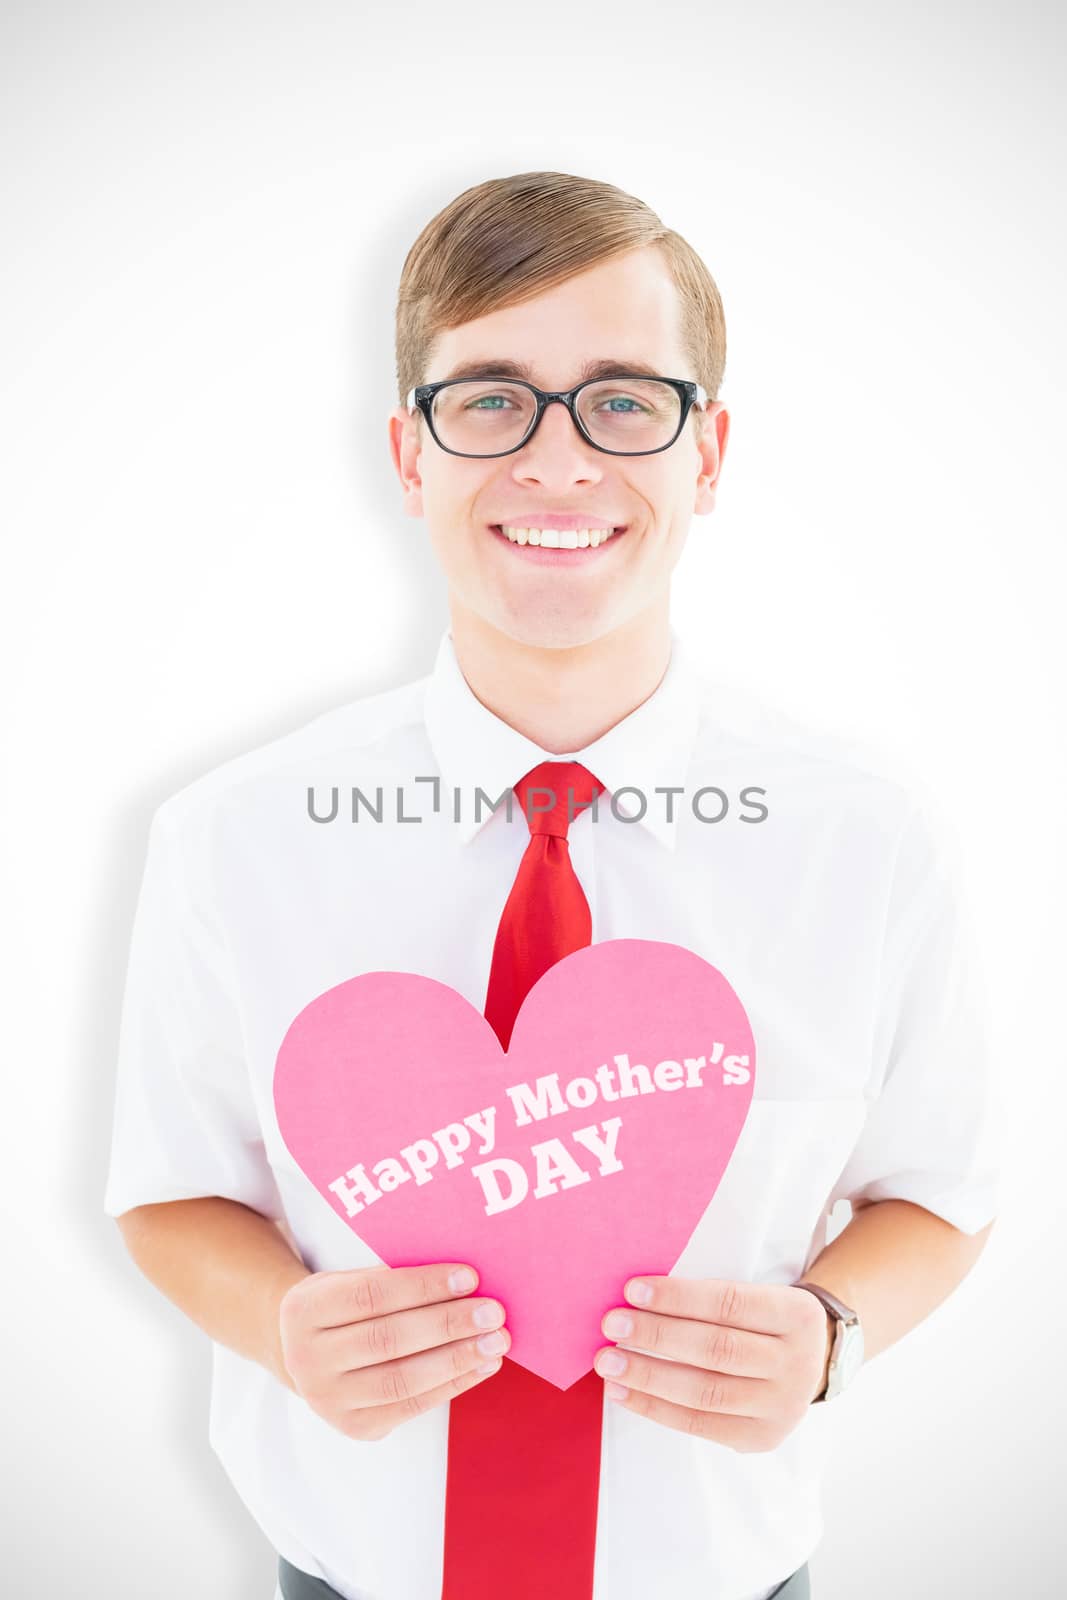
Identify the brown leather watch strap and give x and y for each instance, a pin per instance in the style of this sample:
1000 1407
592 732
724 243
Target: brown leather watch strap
842 1312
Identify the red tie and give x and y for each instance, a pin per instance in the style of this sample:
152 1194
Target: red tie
524 1456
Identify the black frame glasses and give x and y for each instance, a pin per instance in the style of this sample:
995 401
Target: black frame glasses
421 398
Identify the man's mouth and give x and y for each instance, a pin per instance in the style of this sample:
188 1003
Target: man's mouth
554 546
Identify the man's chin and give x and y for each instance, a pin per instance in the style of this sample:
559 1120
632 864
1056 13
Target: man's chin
552 631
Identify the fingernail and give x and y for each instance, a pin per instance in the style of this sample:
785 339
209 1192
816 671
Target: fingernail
617 1325
492 1344
487 1316
615 1391
611 1362
462 1279
639 1293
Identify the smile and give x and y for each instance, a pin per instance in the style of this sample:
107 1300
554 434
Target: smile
557 546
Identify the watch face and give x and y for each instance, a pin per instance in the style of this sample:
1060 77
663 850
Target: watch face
851 1358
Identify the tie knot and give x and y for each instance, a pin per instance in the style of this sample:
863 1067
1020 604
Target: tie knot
553 793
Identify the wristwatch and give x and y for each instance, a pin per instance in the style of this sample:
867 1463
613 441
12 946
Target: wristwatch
846 1356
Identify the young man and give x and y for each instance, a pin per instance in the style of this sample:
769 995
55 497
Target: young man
559 357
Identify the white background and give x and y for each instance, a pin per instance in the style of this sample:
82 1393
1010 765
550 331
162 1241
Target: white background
206 211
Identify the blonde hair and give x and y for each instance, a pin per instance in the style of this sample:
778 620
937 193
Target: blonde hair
509 239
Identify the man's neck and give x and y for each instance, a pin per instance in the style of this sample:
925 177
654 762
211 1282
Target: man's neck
562 699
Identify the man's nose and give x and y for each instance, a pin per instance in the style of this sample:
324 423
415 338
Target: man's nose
557 449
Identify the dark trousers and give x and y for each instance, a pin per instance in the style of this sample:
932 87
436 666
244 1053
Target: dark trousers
297 1585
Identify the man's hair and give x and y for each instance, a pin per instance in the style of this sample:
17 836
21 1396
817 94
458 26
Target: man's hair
509 239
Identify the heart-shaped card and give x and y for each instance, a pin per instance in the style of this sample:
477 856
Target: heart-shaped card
583 1155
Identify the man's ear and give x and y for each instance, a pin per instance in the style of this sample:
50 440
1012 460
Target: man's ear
711 445
405 447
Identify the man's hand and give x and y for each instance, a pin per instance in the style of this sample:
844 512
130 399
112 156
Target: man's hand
735 1362
373 1347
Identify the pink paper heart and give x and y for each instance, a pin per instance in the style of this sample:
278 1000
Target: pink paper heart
383 1062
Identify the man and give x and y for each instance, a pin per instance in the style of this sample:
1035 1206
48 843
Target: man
559 357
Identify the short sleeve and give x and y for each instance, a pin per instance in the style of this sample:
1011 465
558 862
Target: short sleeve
930 1133
185 1121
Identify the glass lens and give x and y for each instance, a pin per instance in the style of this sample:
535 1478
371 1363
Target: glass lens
480 416
630 413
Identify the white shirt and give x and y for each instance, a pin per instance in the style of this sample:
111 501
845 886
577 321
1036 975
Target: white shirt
835 920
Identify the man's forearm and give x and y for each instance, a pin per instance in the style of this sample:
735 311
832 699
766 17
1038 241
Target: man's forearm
228 1268
894 1263
223 1264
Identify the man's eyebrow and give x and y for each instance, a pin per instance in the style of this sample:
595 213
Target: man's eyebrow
603 368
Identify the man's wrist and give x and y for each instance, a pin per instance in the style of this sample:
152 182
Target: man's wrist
274 1358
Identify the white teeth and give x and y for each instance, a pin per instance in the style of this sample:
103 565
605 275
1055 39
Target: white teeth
552 539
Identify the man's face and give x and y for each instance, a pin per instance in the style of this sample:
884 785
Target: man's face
627 311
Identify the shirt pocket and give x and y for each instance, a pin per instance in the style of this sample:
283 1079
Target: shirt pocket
768 1217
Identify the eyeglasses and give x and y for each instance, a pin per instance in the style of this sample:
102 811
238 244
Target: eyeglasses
627 415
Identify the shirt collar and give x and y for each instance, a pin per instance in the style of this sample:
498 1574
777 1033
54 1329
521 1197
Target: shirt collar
651 747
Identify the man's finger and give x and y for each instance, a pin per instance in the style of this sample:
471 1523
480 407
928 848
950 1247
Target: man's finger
759 1307
338 1298
695 1387
711 1345
407 1333
375 1422
735 1432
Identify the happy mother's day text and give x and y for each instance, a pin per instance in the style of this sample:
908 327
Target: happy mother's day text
505 1180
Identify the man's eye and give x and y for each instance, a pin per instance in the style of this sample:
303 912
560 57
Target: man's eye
619 399
489 402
